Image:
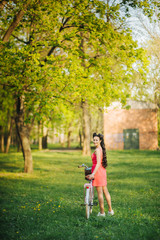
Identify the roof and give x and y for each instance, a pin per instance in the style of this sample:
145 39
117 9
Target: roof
141 104
132 104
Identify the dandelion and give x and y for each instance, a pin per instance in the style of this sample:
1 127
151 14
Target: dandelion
17 232
4 210
38 209
23 206
53 211
59 206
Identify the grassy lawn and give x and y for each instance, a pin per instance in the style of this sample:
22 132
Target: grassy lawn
47 204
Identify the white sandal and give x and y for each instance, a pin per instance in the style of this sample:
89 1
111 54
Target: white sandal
101 214
111 213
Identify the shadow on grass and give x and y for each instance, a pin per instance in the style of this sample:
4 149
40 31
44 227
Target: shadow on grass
9 167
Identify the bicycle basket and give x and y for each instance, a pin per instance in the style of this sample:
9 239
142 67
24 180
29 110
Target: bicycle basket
88 171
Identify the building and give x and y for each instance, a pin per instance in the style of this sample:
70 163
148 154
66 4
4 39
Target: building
136 128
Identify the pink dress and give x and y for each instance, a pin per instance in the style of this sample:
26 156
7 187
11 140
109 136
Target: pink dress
100 178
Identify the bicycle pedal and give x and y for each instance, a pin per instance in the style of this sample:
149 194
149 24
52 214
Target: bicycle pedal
83 204
95 203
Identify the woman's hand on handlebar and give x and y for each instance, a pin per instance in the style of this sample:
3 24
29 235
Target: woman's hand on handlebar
90 177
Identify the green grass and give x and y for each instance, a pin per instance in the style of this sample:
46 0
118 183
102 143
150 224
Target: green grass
47 204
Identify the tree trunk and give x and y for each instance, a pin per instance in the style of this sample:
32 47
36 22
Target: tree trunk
9 135
61 138
86 151
44 138
53 133
100 121
69 135
19 146
80 138
28 165
69 140
24 133
40 135
2 138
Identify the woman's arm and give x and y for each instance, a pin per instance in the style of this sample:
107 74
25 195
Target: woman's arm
98 154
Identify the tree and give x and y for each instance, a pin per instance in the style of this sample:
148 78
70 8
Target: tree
104 62
71 54
148 89
34 83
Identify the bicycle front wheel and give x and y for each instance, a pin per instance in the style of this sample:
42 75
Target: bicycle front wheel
87 203
91 200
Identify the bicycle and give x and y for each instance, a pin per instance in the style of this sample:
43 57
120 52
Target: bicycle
88 191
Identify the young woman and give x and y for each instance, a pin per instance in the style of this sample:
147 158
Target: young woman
99 161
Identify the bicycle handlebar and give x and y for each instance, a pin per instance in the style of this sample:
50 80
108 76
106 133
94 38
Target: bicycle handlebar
83 165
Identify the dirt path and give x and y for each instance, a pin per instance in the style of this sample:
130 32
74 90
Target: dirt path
61 150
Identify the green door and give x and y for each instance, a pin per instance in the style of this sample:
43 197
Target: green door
131 138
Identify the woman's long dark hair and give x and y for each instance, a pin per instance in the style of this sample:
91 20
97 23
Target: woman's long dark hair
104 160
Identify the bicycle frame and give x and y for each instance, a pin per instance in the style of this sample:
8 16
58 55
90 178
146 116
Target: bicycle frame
88 186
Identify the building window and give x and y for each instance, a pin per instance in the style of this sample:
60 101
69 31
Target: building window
131 138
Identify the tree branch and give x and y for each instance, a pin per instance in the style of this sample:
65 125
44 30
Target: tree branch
21 40
61 28
14 24
2 4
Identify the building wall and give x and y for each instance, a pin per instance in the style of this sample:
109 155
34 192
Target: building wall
116 120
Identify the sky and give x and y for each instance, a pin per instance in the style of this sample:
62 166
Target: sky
142 29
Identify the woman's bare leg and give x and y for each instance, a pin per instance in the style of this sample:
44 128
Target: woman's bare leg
100 198
108 197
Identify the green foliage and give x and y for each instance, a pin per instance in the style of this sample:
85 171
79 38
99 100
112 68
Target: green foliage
44 60
47 204
148 6
63 52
